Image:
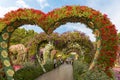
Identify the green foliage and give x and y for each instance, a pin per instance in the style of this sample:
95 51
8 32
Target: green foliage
2 77
32 71
49 65
21 35
2 73
81 72
38 40
95 74
78 69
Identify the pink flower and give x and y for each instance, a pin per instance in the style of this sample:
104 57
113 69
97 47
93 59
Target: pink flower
17 67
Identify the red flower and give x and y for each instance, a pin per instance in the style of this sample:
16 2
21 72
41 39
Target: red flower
17 67
68 13
95 12
56 16
20 9
115 47
83 8
69 8
104 21
112 60
37 12
90 16
105 15
77 9
42 18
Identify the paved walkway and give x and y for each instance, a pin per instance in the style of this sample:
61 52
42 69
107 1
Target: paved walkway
64 72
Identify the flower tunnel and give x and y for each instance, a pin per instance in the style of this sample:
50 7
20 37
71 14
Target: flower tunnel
104 30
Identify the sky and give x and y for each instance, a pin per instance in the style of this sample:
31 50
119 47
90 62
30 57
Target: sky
109 7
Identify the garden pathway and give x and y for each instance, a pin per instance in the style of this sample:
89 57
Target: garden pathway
63 72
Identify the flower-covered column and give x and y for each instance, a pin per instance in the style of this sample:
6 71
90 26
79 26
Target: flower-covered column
4 52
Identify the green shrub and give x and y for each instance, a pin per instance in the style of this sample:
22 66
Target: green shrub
78 69
2 74
32 72
81 72
2 78
95 74
49 65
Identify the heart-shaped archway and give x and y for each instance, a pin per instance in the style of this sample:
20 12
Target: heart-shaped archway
103 29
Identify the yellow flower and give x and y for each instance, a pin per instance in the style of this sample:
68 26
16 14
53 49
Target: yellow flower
4 53
10 29
10 72
5 36
6 63
3 44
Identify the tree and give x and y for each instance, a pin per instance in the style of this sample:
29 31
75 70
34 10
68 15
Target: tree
21 35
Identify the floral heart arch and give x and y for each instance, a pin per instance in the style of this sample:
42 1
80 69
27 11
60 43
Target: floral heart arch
106 35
